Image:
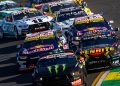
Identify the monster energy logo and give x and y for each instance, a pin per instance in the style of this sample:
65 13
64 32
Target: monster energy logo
56 68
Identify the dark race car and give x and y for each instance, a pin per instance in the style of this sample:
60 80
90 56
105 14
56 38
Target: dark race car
91 24
99 50
56 69
35 45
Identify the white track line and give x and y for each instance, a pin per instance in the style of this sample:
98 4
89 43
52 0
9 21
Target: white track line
102 78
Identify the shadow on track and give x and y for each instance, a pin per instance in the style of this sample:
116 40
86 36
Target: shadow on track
7 40
8 74
8 50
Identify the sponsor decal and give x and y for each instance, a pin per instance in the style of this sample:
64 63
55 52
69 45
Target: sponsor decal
37 36
39 49
56 67
97 50
92 31
61 55
87 19
95 62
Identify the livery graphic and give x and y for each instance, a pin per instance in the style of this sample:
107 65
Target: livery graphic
56 68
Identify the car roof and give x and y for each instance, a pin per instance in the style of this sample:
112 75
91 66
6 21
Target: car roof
59 3
13 10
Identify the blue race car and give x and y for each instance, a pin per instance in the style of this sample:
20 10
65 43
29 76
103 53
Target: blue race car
87 25
34 45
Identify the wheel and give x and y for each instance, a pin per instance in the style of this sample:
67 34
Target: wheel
67 35
16 32
1 33
34 84
83 76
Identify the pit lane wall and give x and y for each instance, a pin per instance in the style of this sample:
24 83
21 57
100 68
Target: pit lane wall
112 78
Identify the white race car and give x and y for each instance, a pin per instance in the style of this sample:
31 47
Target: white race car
17 22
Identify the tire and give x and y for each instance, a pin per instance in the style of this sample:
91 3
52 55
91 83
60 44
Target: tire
1 33
34 84
16 33
67 35
83 76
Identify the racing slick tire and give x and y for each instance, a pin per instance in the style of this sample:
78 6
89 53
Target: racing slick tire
68 36
36 84
16 33
83 76
1 33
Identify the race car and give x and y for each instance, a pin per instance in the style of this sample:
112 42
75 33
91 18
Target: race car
16 23
87 24
65 17
39 3
98 49
34 45
50 9
7 4
59 68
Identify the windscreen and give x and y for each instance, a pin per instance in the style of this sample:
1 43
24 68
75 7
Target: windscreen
67 15
21 15
98 41
41 42
33 14
53 61
42 1
92 24
57 7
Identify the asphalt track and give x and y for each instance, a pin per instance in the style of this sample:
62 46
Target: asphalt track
8 74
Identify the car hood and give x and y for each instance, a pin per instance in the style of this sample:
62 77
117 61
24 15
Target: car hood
33 20
56 70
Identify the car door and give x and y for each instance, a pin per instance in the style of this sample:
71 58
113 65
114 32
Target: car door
8 25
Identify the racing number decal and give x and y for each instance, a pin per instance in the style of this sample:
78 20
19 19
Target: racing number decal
8 28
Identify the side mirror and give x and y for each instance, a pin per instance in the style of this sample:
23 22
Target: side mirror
116 29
